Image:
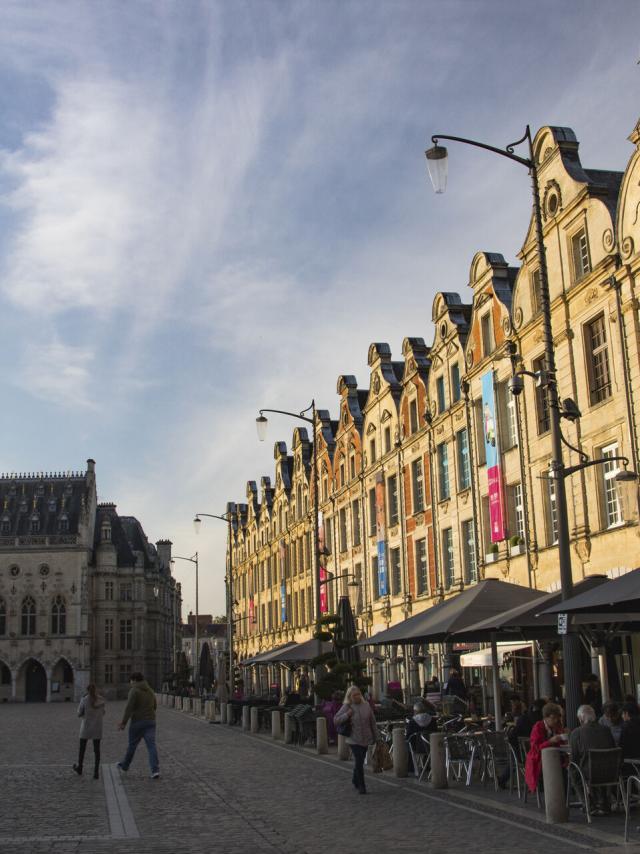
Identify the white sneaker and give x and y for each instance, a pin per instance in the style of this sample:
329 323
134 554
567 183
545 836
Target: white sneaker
155 775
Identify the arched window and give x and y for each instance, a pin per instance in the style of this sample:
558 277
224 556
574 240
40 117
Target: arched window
3 617
28 616
58 616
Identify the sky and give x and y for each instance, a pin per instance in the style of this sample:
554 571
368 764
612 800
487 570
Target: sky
211 207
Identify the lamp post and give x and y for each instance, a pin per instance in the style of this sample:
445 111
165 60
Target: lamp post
437 162
197 524
261 426
196 665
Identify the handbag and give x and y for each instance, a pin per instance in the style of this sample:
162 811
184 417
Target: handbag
381 758
344 728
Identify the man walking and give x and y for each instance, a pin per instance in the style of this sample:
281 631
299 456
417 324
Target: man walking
141 709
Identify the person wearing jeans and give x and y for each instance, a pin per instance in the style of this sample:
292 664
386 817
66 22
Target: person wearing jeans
141 711
364 732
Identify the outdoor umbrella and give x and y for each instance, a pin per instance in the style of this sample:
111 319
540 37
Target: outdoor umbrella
476 603
346 636
617 600
300 652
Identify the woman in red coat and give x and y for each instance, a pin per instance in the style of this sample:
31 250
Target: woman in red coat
545 733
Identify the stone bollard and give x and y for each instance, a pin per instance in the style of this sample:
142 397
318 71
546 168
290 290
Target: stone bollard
172 701
254 719
322 744
275 725
207 710
230 714
179 702
400 753
554 792
186 704
438 761
343 748
288 728
246 718
223 713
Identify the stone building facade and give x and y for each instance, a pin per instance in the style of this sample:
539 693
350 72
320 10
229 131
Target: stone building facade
83 595
410 450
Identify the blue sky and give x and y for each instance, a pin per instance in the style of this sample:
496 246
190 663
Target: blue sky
209 207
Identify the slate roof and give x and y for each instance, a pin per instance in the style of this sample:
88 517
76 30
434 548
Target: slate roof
52 500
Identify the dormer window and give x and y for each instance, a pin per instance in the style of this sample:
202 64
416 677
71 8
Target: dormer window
6 525
105 533
35 524
486 328
68 490
52 505
23 505
63 523
40 489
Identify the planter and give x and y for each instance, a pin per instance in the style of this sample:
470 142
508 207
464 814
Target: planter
517 550
491 557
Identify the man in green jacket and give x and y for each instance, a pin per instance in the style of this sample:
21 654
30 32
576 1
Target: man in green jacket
141 709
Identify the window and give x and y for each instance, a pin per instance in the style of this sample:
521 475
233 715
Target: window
536 295
552 513
35 524
108 674
328 542
125 673
479 428
422 577
440 394
486 329
542 400
58 617
447 557
325 487
3 617
302 611
126 592
413 416
342 477
392 487
372 512
464 463
396 580
355 516
443 471
6 525
516 511
375 586
455 383
612 510
511 433
342 517
597 354
387 439
357 572
126 634
469 552
352 466
28 616
580 253
372 451
108 590
417 479
108 633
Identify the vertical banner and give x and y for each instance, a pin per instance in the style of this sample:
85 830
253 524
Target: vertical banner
492 454
252 610
324 604
381 531
283 603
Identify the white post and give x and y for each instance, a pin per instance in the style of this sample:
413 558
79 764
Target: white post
400 753
288 728
322 745
497 691
254 719
438 761
554 793
275 725
223 713
246 718
343 748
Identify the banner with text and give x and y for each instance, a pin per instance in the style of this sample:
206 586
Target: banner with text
492 455
381 532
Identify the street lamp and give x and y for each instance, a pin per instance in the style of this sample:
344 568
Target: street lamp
196 665
261 426
197 524
437 160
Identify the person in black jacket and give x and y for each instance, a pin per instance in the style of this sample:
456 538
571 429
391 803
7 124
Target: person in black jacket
455 687
630 735
423 723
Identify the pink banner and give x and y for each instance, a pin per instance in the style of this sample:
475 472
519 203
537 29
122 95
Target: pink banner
324 605
496 509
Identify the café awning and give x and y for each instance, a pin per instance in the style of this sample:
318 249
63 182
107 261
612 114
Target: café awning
301 652
616 599
482 657
267 656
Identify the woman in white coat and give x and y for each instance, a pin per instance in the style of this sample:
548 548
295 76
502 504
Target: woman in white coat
91 710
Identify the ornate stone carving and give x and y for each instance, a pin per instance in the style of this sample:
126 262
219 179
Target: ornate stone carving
607 239
518 317
375 383
469 358
627 247
591 295
506 325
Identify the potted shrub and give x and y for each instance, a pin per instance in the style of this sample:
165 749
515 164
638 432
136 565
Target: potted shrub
516 545
492 554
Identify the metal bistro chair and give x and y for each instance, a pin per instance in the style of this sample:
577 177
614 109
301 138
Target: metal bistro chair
603 771
420 752
524 746
632 781
500 754
459 752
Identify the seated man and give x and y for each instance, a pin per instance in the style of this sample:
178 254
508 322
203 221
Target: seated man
630 735
423 722
591 735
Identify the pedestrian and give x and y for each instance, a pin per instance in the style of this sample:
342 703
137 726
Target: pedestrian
358 717
91 709
455 687
141 709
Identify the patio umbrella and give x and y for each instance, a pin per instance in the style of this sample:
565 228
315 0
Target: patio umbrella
617 600
300 652
480 602
346 635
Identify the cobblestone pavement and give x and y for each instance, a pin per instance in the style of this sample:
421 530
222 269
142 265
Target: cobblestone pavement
226 791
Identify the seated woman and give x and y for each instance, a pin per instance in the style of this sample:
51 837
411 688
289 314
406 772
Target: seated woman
545 733
423 722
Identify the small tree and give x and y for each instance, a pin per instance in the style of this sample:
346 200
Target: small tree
338 674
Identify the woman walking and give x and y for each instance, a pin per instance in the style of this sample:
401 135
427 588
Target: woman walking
357 718
91 710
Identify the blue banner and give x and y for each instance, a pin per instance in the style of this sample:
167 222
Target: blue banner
283 603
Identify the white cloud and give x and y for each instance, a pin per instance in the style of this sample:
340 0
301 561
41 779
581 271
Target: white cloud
58 373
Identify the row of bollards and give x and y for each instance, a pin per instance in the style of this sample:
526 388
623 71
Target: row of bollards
552 771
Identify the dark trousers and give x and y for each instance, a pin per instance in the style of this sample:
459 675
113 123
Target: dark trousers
96 753
359 755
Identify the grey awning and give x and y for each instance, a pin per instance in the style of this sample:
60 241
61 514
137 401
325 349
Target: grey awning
483 600
527 621
302 652
619 596
266 657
